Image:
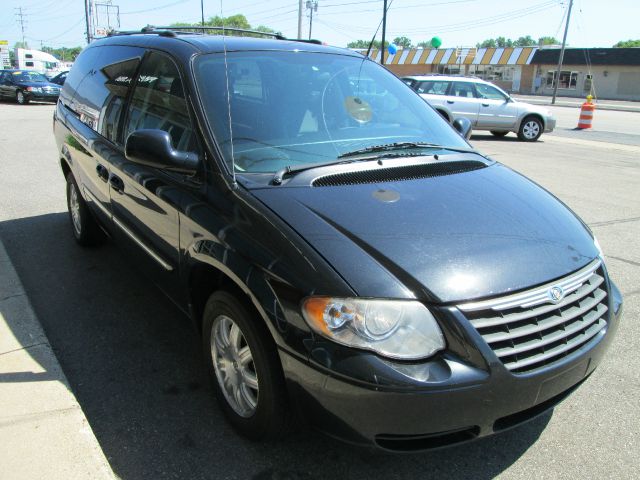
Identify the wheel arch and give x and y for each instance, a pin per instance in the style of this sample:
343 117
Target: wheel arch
206 276
529 115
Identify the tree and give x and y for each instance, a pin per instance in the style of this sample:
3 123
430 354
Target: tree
524 42
403 42
364 44
489 43
548 41
627 44
234 21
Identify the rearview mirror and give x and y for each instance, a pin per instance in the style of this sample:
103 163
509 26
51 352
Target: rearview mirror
153 147
463 126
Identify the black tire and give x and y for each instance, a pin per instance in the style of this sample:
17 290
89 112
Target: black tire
498 134
530 129
84 227
21 98
269 417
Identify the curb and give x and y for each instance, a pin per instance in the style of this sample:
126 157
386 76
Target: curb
49 434
599 106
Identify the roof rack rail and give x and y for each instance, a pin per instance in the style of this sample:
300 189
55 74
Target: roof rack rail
175 31
195 29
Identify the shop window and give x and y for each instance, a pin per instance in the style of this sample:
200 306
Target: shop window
568 80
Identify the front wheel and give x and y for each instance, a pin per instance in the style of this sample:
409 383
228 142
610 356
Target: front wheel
21 98
530 129
244 367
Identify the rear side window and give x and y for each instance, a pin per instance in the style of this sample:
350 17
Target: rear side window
97 86
432 87
463 89
159 102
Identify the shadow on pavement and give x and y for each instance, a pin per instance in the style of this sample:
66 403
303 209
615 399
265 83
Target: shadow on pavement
133 363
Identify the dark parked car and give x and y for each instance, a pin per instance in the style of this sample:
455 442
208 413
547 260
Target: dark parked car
348 258
25 85
59 78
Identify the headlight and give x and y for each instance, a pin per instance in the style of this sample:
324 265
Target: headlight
600 252
34 89
398 329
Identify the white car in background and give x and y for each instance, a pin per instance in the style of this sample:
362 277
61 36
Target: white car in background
487 106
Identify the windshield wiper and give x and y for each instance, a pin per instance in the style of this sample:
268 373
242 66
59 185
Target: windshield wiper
289 170
402 146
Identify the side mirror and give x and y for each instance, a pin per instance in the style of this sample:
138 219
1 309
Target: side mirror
153 147
463 126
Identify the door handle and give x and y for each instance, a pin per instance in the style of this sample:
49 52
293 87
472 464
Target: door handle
450 101
102 172
485 104
116 183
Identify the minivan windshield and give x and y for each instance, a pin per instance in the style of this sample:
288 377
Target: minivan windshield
294 108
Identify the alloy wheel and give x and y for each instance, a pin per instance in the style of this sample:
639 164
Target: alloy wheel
234 366
531 129
74 209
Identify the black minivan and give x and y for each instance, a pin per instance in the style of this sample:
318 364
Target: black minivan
348 258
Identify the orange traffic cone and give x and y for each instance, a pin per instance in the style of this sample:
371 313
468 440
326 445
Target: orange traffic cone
586 114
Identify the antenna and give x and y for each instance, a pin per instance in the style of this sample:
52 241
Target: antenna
226 76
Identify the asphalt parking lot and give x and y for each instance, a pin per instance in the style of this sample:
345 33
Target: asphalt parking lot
134 364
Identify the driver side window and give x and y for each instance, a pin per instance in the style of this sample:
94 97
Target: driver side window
159 102
489 92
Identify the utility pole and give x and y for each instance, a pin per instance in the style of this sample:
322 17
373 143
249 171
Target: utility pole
299 19
312 5
564 42
21 20
384 31
87 17
202 12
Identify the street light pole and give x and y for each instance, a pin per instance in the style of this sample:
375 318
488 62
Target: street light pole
311 5
384 31
202 13
299 19
87 17
564 42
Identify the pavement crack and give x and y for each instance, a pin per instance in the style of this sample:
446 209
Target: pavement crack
614 222
13 296
630 262
24 348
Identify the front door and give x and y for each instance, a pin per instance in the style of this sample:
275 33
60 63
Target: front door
496 109
145 200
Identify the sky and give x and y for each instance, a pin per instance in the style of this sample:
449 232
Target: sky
459 23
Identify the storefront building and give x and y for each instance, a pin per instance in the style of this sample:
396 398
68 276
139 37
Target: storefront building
607 73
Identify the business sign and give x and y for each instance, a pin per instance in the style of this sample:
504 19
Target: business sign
4 54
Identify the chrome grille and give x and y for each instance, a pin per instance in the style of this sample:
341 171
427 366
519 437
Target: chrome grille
529 330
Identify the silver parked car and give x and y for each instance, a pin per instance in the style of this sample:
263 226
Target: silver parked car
487 106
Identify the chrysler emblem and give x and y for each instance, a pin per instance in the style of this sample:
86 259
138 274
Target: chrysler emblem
556 294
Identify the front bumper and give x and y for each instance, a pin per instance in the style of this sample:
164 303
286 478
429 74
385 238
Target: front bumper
549 124
42 97
445 401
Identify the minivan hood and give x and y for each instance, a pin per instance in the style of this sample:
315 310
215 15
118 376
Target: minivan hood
447 239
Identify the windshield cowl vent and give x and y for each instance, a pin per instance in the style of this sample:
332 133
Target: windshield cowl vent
396 174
